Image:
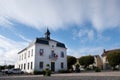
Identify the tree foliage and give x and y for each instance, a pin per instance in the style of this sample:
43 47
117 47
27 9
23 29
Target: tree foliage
86 60
70 61
113 58
6 67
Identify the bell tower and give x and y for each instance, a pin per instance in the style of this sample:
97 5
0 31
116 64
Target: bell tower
47 34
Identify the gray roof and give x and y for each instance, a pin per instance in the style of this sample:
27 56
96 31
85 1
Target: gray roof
45 41
107 52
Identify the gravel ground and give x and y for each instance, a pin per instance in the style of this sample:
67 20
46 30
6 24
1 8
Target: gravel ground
65 78
69 76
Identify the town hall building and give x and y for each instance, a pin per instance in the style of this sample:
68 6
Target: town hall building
43 51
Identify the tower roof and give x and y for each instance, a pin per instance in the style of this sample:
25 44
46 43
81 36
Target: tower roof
47 34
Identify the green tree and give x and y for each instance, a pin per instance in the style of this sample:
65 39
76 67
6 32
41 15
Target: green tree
6 67
2 67
70 61
86 61
113 59
10 66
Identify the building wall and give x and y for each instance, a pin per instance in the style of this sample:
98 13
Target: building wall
33 55
47 52
98 62
25 58
105 63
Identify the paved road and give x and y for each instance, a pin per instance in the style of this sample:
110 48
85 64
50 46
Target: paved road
70 76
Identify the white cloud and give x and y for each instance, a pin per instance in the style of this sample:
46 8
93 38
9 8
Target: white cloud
9 50
91 34
5 23
85 51
84 34
56 14
24 38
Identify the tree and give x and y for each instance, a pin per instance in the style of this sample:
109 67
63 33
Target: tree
77 68
113 59
6 67
2 67
10 66
70 61
86 61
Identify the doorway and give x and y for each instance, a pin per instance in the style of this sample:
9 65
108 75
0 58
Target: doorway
53 66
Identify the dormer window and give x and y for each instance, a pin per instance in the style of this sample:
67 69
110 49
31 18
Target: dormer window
41 52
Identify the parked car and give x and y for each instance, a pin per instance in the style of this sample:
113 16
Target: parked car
15 71
5 71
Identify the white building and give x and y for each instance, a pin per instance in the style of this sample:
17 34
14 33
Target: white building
40 52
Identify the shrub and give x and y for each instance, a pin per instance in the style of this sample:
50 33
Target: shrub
77 69
97 69
47 65
64 71
47 72
38 72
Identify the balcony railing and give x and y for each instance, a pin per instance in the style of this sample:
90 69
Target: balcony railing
53 56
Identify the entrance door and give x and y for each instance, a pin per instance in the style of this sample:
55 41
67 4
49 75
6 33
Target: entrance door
53 66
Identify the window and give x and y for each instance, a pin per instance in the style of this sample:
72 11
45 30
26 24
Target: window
41 52
52 53
24 66
28 66
20 57
41 65
28 53
62 65
32 52
31 65
21 66
62 54
52 46
24 55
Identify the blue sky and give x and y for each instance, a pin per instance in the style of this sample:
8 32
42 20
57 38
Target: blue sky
85 26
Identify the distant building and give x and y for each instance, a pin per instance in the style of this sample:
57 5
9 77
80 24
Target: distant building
104 58
40 52
98 61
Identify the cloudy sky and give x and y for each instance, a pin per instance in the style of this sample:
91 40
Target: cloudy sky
85 26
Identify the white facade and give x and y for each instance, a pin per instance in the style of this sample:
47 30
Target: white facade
40 52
